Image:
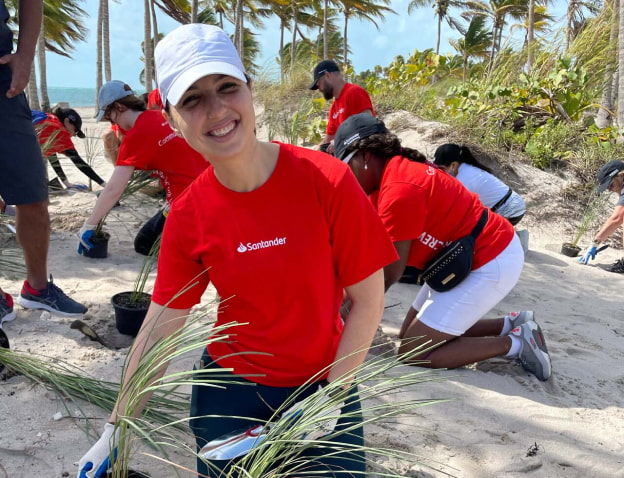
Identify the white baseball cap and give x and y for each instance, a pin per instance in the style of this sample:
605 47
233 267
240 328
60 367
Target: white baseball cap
191 52
109 93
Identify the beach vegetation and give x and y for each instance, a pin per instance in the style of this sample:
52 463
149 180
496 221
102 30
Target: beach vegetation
388 392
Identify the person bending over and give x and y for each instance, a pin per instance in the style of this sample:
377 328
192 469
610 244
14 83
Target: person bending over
610 178
424 209
150 145
55 131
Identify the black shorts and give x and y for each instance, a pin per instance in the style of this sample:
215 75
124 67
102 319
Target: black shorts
23 170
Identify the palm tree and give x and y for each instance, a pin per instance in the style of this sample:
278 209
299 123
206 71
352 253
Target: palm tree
604 117
475 42
62 28
576 17
441 8
497 12
362 10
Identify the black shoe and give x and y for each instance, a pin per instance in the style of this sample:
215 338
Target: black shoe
411 275
618 267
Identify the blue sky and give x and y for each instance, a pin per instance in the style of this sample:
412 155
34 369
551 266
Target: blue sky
397 35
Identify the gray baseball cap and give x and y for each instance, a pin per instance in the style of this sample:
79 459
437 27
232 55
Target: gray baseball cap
109 93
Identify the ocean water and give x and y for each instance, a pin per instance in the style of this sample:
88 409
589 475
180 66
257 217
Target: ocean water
73 96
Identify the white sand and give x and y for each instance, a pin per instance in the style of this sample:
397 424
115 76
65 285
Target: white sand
497 413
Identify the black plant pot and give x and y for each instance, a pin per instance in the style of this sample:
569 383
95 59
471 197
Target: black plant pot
129 316
4 343
570 250
100 246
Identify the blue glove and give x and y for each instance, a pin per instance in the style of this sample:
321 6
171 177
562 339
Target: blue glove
96 462
78 186
84 236
589 254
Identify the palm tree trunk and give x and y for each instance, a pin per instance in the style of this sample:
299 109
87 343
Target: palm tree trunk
325 38
147 44
154 30
43 81
194 9
33 96
98 56
293 43
604 117
281 50
439 34
530 34
345 46
620 103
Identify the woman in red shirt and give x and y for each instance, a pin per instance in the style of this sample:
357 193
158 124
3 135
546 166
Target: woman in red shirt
149 144
250 224
424 209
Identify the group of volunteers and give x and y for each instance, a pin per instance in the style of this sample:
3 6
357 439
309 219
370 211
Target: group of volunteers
258 205
239 209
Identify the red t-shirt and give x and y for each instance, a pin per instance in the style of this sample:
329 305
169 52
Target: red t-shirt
352 100
279 256
53 136
154 101
424 204
152 145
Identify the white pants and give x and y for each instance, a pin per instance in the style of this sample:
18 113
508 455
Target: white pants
455 311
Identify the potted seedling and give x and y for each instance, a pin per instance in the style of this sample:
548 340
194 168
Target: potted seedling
100 237
131 306
591 212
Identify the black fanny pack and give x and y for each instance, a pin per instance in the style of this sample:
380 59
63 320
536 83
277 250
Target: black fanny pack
453 263
502 201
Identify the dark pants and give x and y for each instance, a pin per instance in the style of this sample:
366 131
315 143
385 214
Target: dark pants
217 411
149 233
22 168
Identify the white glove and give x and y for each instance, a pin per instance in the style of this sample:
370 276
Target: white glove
96 462
316 416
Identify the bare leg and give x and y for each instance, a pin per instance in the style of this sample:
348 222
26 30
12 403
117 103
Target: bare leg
454 351
33 234
483 328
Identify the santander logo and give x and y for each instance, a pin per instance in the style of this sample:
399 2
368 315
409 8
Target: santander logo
254 246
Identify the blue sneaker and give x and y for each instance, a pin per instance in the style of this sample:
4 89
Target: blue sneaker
6 308
533 356
52 299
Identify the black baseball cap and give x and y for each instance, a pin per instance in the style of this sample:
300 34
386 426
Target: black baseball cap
353 129
73 117
325 66
607 173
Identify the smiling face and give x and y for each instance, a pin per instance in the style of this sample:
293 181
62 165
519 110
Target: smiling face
215 116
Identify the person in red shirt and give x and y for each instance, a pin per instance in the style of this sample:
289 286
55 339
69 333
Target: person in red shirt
150 145
349 99
272 227
424 209
55 131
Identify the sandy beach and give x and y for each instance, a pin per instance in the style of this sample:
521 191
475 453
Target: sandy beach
499 422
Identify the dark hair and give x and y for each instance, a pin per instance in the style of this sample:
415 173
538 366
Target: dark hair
386 146
450 152
131 102
60 113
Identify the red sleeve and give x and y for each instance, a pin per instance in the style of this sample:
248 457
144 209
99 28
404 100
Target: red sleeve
360 242
398 211
178 270
358 101
153 100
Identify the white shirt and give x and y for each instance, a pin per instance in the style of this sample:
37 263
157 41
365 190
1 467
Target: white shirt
490 190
